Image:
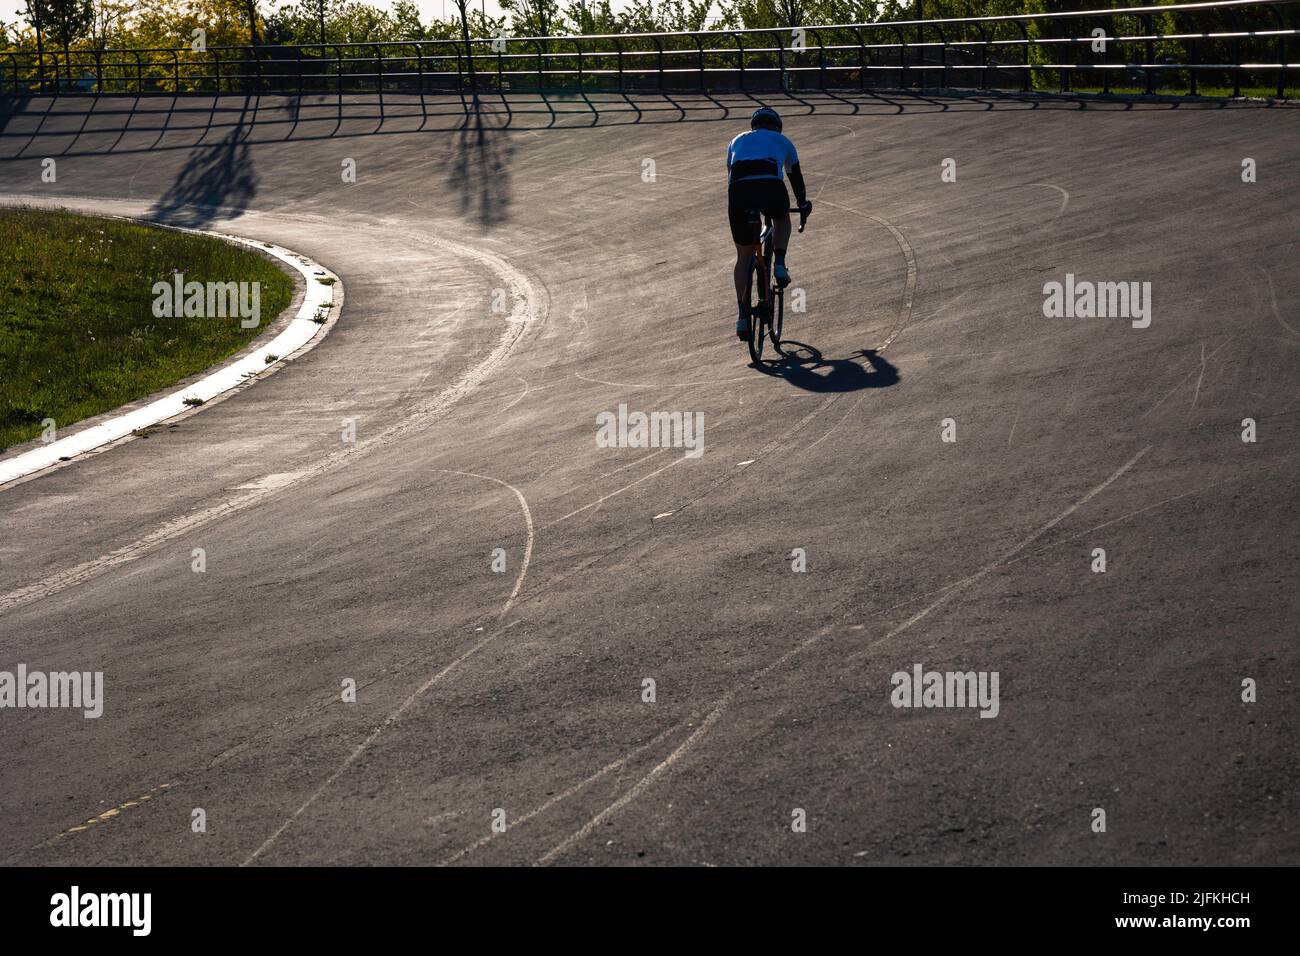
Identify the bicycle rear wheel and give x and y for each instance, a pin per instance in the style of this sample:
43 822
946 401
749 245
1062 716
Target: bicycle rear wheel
757 318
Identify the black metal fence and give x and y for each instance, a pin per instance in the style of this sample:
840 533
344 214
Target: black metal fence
1227 45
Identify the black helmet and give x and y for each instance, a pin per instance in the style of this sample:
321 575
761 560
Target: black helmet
765 118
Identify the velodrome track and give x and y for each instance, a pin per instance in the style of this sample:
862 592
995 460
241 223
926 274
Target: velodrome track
522 690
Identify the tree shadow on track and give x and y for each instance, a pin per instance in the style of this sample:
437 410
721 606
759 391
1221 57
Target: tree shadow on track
217 179
480 168
804 367
11 106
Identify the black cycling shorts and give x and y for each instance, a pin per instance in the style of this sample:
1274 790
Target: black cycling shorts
768 196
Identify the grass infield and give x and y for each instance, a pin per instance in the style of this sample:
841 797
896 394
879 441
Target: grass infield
78 335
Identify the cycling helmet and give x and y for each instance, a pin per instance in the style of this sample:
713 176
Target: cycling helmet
765 118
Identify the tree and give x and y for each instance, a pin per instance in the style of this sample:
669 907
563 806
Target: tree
469 50
110 26
406 22
590 16
252 20
63 22
535 18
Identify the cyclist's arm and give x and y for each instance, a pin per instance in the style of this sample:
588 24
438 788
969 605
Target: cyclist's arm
796 180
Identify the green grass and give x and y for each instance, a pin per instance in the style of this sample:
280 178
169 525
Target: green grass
77 332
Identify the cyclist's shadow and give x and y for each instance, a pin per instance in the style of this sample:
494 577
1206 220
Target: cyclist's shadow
804 366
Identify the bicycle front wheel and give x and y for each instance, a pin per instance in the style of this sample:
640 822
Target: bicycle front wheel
757 321
778 319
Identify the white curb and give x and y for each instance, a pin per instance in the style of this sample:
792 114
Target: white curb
302 329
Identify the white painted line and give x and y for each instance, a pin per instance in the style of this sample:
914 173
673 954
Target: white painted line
392 718
301 330
723 702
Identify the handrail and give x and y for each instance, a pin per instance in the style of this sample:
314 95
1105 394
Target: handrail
1218 42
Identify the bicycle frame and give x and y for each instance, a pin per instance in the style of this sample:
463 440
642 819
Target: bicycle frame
766 317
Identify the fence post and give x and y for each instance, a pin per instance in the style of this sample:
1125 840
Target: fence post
943 55
1025 80
1105 53
1236 52
1281 53
419 71
740 59
821 58
984 59
780 61
862 59
903 56
1148 28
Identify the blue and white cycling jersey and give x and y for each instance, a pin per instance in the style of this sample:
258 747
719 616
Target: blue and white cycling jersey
760 154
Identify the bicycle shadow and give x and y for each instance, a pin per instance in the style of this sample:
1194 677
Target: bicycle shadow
804 367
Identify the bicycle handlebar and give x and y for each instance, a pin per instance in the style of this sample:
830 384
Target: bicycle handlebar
803 212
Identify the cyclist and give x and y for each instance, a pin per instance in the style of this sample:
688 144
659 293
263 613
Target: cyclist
756 163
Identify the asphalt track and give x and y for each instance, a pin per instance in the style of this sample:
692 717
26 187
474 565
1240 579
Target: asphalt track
522 690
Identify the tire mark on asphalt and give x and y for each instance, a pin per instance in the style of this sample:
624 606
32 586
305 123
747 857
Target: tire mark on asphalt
411 699
715 381
1200 368
523 315
1277 313
909 257
559 797
721 704
1065 197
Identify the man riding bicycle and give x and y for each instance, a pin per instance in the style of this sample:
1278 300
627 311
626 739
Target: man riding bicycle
756 162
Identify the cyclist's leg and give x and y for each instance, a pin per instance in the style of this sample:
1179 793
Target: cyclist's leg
741 274
741 217
744 265
779 210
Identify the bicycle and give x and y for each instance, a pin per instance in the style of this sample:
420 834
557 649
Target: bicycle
768 316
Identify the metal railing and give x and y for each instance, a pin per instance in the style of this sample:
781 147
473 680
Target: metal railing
1226 44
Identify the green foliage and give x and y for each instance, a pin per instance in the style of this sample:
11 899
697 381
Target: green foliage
63 22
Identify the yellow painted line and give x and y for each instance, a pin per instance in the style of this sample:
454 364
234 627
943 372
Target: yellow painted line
117 810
